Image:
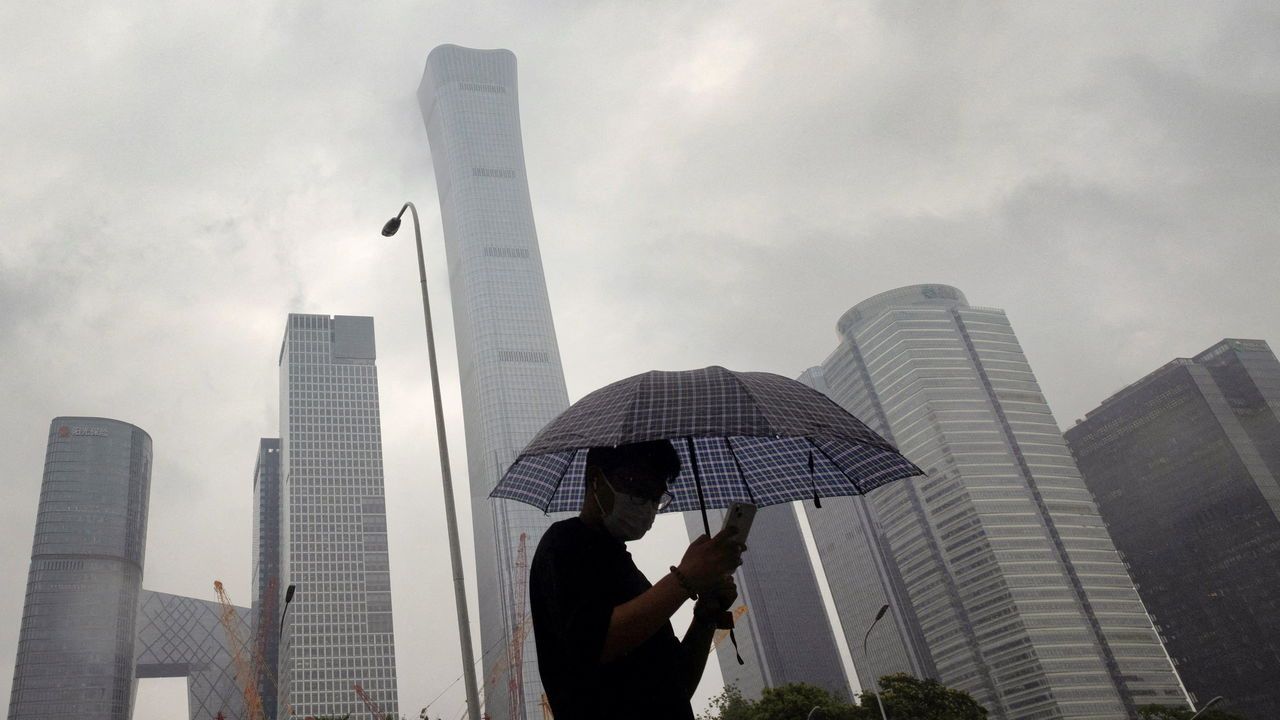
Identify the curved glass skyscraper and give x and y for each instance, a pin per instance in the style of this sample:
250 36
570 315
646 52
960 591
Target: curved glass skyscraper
76 646
1014 580
512 382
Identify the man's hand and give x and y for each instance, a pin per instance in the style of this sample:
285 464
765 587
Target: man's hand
709 561
716 601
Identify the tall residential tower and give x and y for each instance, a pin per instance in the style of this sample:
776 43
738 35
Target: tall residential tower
512 382
1015 583
333 532
1184 464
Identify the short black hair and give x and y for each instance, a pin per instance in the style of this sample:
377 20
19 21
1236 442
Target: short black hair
656 456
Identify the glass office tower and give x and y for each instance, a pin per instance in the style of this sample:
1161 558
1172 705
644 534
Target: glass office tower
508 358
1184 464
267 593
785 635
75 648
1014 580
333 533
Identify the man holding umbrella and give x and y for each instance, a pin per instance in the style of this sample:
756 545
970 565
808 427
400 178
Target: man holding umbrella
606 647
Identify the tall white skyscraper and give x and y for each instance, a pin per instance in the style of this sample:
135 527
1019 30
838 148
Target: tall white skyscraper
333 532
1013 577
512 381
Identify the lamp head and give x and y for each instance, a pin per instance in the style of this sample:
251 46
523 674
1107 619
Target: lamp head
288 595
884 609
391 227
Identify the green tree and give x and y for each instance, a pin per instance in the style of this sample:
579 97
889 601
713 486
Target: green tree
910 698
1164 712
729 705
796 700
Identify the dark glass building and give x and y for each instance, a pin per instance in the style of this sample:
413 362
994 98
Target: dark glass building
268 596
784 635
1184 466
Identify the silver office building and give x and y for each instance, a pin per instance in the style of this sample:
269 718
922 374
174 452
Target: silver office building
1014 580
333 535
784 635
512 381
75 648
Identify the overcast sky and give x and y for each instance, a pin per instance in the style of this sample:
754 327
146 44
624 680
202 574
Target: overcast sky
713 183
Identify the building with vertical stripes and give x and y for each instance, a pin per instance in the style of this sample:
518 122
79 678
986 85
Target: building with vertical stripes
1015 583
508 358
1184 464
265 578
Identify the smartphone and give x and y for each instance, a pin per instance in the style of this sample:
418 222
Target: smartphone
739 517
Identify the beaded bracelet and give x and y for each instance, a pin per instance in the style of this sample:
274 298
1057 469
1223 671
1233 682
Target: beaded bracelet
684 583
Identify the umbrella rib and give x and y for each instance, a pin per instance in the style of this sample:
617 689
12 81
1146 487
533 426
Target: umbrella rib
852 480
728 441
755 400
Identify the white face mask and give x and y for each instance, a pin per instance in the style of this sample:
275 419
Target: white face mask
631 517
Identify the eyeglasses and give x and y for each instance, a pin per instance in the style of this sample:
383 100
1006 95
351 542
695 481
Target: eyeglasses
664 500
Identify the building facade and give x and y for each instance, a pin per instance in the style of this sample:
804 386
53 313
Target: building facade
267 593
89 631
508 358
75 647
1184 464
182 637
333 532
863 578
1017 588
784 636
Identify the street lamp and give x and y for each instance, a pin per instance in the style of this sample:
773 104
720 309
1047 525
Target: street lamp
455 553
874 682
288 598
1207 705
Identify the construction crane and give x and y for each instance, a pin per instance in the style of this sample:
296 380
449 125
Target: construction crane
243 667
370 704
515 679
546 708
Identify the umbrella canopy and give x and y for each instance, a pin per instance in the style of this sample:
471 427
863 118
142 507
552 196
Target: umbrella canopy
742 436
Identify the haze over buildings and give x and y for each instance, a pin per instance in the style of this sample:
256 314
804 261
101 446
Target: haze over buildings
333 529
1017 588
508 358
1184 464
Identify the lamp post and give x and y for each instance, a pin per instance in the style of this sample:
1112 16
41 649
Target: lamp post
455 552
288 598
1207 705
875 683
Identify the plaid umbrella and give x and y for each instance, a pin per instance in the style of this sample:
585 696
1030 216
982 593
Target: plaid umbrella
742 436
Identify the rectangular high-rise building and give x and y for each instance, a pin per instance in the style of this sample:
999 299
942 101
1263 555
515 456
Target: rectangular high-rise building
508 358
333 531
1018 590
784 635
1184 464
266 569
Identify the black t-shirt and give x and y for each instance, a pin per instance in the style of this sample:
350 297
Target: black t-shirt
579 575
